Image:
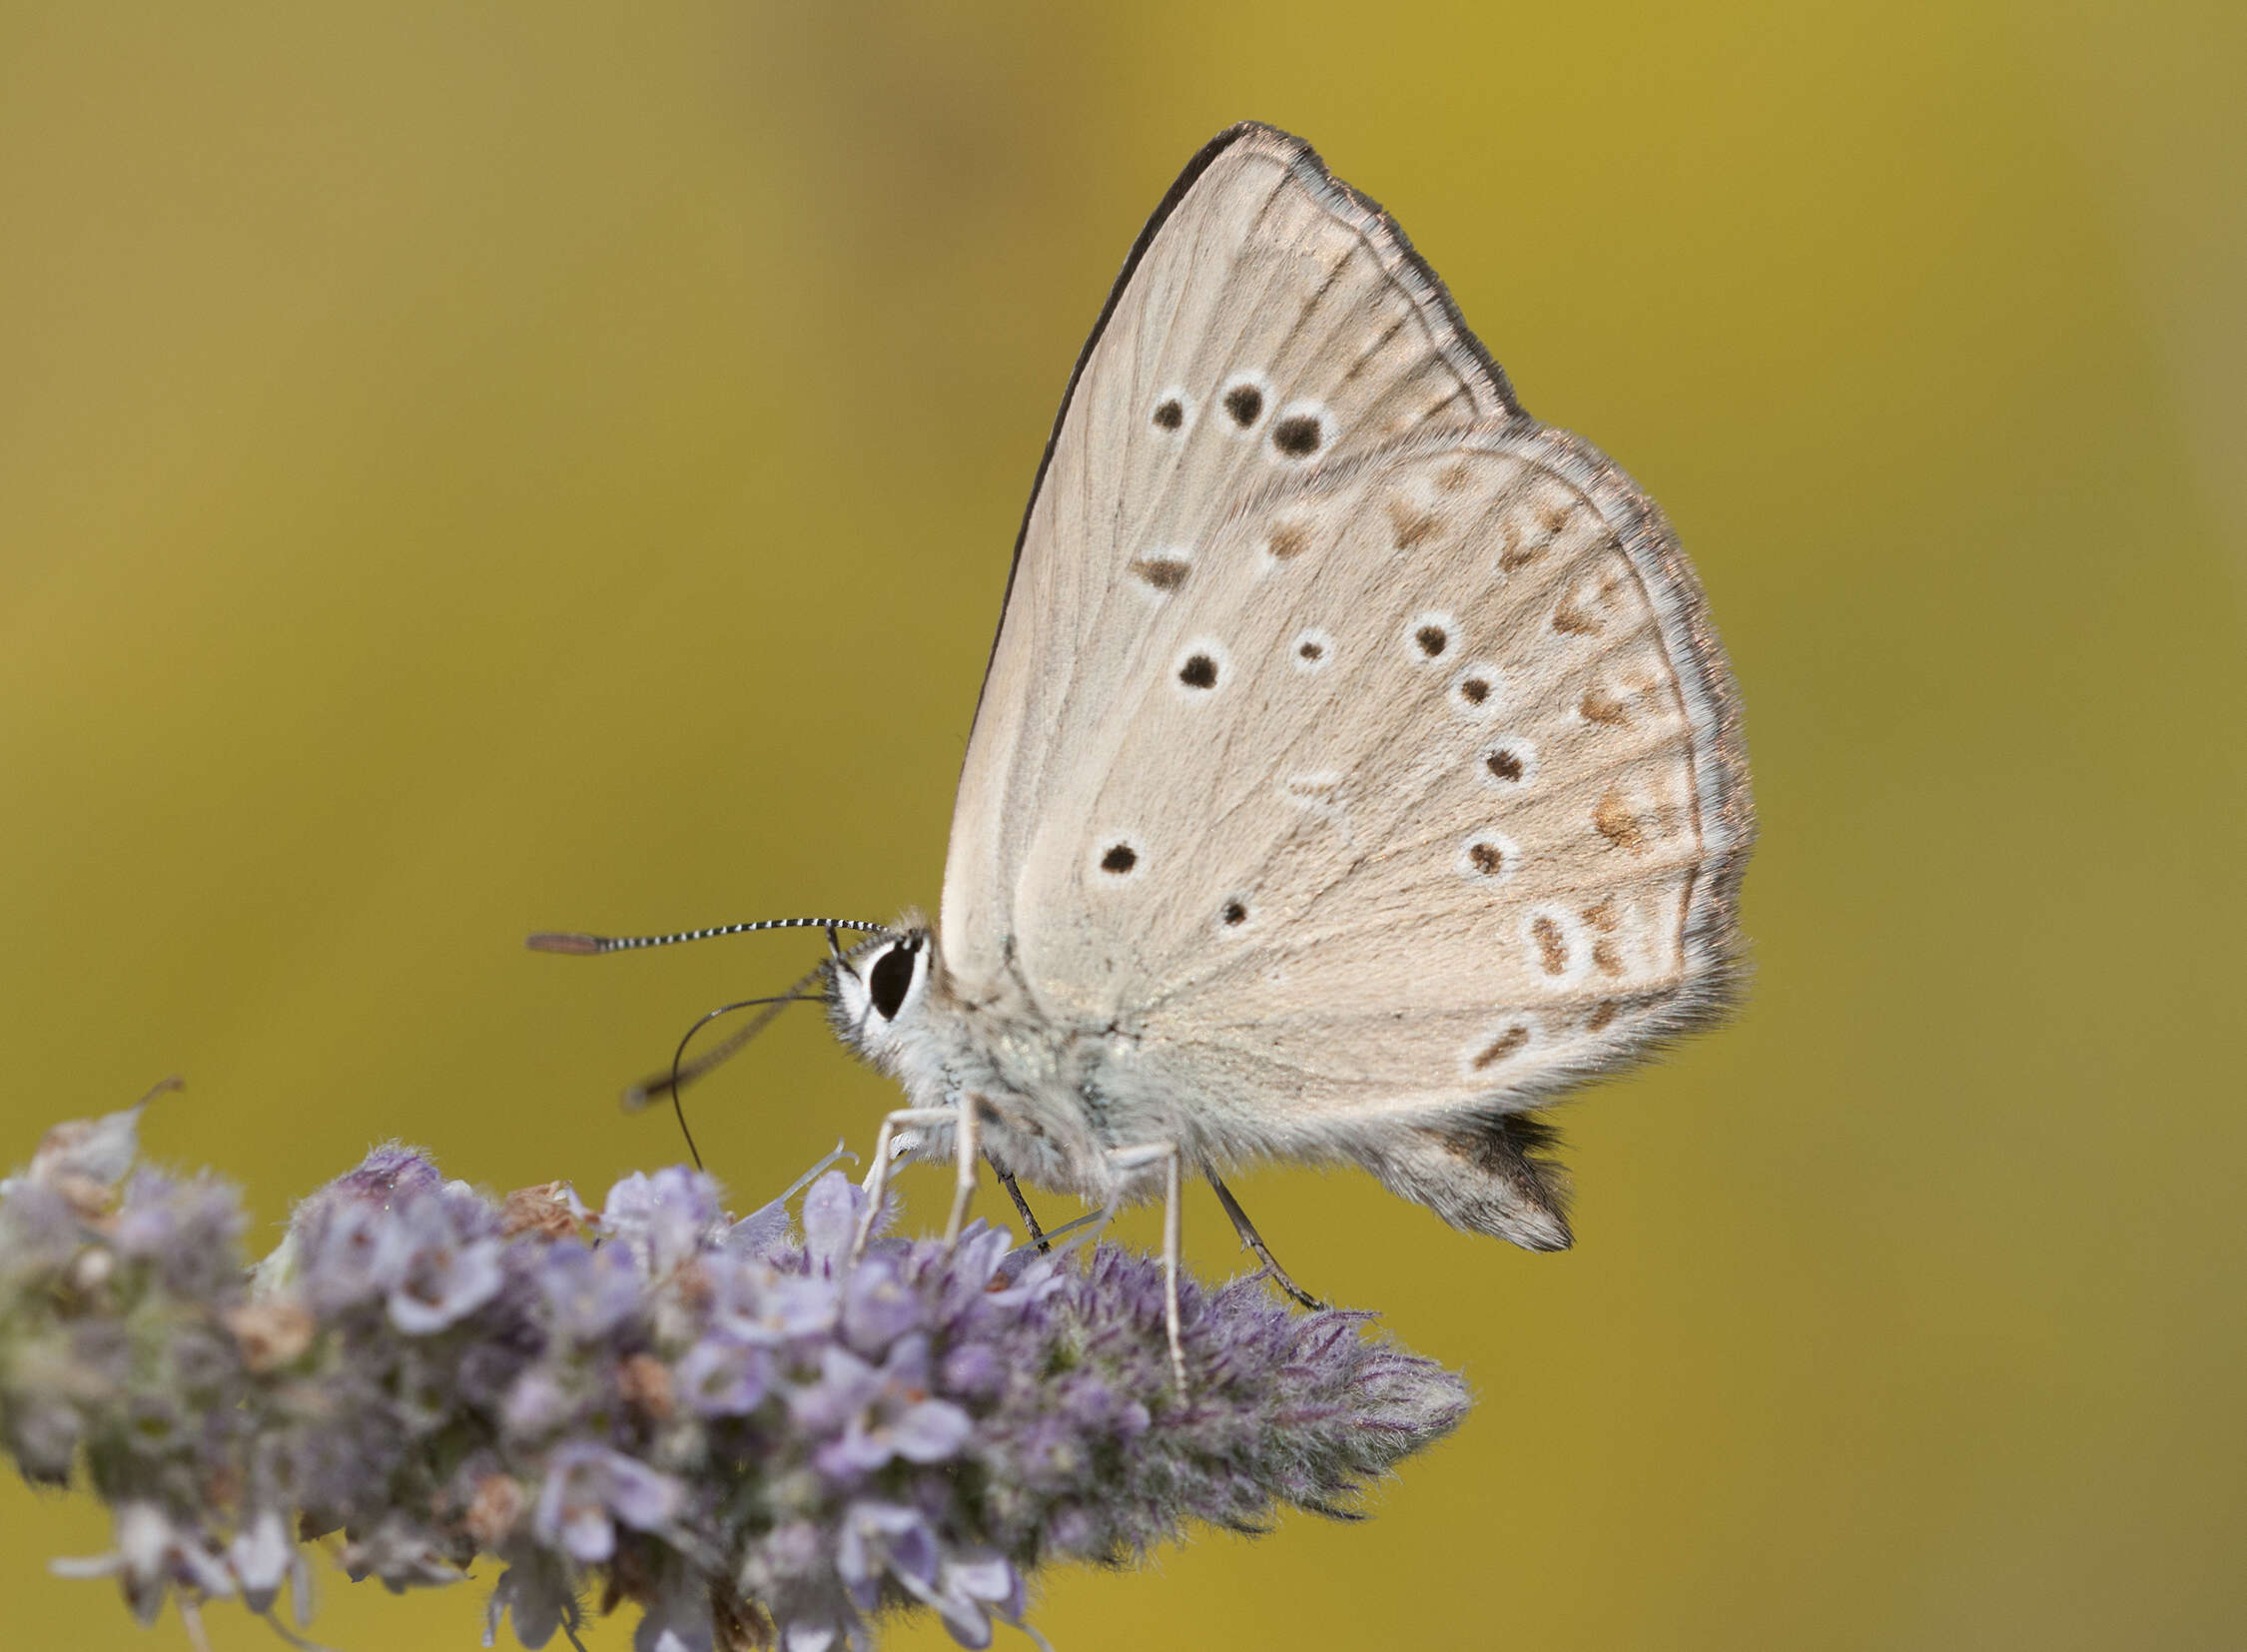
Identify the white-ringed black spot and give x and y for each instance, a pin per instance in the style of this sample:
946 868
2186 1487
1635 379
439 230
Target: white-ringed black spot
1507 763
1301 430
1478 689
1233 913
1246 398
1429 637
1173 411
1487 857
1119 859
1201 669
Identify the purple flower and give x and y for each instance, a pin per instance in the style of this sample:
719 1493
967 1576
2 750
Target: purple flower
590 1488
760 1234
347 1255
588 1293
879 1305
187 1227
758 1303
971 1591
538 1404
40 1229
737 1431
880 1540
973 1370
663 1219
443 1279
831 1211
722 1377
391 1174
885 1411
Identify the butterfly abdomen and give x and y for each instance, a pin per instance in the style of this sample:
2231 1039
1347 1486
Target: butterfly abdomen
1488 1174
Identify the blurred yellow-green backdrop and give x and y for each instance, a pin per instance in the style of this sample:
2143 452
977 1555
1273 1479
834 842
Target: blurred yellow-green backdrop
451 485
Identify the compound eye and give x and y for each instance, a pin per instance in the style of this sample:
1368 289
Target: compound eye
889 980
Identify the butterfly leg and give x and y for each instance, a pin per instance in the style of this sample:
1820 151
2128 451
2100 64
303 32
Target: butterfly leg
1021 1207
876 1183
1131 1158
964 1185
1256 1241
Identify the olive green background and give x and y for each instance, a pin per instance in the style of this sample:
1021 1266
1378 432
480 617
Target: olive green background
467 469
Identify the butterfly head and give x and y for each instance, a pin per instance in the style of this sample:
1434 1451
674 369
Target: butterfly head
876 991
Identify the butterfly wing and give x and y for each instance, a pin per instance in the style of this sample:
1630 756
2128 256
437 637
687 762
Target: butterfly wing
1358 746
1259 271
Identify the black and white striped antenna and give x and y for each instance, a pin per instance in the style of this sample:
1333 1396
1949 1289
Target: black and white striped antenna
577 944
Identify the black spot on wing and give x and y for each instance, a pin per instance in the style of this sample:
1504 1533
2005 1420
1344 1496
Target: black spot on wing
1299 436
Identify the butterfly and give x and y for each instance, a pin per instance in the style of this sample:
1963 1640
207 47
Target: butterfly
1356 766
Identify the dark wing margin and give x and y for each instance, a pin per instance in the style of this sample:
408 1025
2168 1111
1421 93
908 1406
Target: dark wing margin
1425 286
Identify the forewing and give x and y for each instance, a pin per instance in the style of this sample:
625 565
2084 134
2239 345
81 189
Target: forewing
1270 322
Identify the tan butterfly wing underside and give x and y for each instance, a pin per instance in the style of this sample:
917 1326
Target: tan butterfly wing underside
1354 742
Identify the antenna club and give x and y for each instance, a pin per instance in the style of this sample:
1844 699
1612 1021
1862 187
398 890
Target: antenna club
576 946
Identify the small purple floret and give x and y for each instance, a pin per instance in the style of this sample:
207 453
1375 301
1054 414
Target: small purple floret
723 1377
590 1488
